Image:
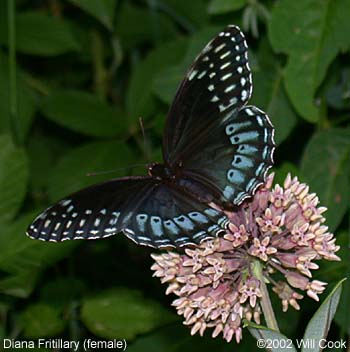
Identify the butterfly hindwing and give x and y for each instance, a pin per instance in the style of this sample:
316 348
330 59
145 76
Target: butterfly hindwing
236 160
148 211
170 217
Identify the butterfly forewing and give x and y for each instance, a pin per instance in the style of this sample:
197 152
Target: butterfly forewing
94 212
218 82
148 211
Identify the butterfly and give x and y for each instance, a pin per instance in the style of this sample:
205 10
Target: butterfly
216 153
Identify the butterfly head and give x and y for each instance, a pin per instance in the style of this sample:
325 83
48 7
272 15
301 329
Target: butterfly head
159 171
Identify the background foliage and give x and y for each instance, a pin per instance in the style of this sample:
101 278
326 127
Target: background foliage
86 71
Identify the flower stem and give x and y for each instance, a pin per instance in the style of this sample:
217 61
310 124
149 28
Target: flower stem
265 301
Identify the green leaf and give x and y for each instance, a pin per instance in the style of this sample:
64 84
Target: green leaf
20 284
338 94
320 323
50 148
269 94
23 259
189 14
325 165
167 81
169 78
139 95
123 313
218 7
41 320
102 10
13 178
279 109
85 113
70 174
311 33
39 34
26 104
62 291
136 25
270 340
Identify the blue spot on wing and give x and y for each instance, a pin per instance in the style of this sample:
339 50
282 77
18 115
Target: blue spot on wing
171 227
244 137
184 222
156 225
198 217
141 220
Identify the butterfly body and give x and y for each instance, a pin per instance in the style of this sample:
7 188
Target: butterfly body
216 151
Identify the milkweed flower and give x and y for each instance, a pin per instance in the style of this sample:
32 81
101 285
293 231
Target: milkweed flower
282 228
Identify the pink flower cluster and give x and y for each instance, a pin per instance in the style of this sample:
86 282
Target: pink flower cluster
282 228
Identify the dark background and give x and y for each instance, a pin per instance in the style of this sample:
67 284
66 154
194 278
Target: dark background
86 71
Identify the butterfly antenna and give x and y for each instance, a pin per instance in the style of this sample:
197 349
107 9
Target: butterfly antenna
113 171
142 126
146 147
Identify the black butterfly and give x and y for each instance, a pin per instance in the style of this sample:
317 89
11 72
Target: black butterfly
216 150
